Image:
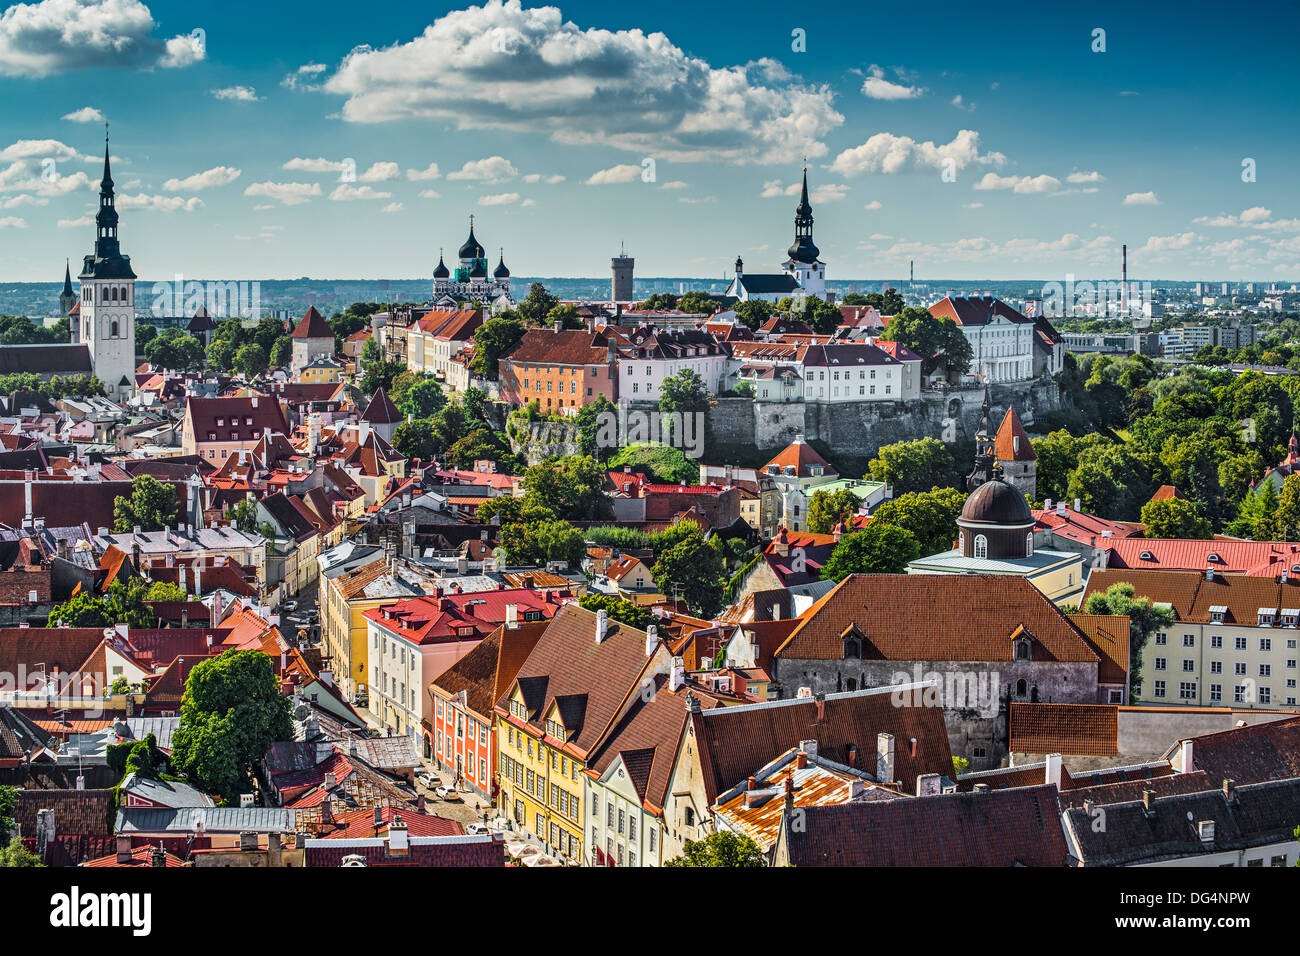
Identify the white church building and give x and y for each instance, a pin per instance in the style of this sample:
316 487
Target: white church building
802 273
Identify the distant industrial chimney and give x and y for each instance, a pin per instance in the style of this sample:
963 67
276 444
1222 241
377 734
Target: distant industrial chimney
1123 282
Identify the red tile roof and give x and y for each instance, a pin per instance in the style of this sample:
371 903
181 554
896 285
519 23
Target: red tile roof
976 310
800 456
929 618
486 672
1012 441
1265 558
312 326
1082 729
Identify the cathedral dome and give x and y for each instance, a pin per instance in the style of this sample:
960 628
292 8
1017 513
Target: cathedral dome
996 503
440 271
472 249
804 250
478 270
501 272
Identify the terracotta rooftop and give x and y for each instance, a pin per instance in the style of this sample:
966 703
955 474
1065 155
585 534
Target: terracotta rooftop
1079 729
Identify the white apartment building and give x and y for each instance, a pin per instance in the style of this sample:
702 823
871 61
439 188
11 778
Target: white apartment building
1001 338
1235 640
647 355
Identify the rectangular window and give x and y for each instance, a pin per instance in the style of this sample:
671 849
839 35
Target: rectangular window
1216 641
1216 693
1187 690
1159 663
1216 667
1189 640
1160 688
1189 665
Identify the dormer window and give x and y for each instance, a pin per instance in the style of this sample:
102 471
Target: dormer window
1290 616
1266 616
1022 649
1217 613
1147 556
852 648
1214 558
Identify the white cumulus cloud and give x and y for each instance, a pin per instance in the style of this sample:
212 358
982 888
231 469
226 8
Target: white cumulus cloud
890 154
216 176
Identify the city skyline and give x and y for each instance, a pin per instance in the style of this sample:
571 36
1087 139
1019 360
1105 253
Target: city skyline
240 155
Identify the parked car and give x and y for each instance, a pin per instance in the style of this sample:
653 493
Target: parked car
429 780
290 606
473 829
447 793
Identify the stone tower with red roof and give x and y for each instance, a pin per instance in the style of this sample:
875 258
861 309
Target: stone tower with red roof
311 338
1013 451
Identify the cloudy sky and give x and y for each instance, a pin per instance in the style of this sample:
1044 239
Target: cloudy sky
354 140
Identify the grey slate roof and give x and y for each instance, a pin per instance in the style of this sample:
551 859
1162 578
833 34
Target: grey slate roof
214 820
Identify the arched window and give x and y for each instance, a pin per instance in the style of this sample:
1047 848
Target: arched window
112 294
1029 544
690 813
981 546
113 329
1022 687
852 649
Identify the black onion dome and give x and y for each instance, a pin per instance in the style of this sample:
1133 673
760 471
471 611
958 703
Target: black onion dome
440 271
472 249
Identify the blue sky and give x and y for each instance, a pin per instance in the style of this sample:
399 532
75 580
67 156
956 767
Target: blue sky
229 149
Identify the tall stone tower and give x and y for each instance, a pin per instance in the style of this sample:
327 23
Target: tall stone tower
107 325
1015 454
621 285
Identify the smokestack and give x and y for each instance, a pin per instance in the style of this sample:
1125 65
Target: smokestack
1123 282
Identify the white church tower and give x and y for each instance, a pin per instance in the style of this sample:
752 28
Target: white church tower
108 299
804 265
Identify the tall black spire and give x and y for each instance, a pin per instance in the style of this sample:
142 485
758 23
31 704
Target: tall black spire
106 244
68 297
107 262
803 248
984 455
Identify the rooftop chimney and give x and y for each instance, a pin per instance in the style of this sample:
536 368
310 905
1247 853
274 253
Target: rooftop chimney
1148 803
512 616
1230 792
1189 764
1205 829
123 849
651 640
157 857
1054 770
399 843
885 758
602 625
677 677
928 785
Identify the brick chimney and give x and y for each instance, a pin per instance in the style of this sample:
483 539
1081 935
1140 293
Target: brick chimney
885 758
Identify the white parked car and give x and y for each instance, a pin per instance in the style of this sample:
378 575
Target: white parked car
447 793
429 780
474 829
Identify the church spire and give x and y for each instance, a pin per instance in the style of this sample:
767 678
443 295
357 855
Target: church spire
106 184
803 249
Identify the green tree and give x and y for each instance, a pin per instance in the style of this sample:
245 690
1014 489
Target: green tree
243 515
571 487
174 350
423 399
417 439
122 603
152 506
1174 518
723 848
1144 620
931 516
14 854
618 610
918 465
539 542
251 361
537 305
754 312
686 394
567 316
493 339
1287 520
379 374
876 549
220 354
826 509
144 334
231 712
1258 516
281 352
938 341
695 569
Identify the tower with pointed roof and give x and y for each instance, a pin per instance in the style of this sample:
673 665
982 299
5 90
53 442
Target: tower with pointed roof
68 297
107 326
311 339
1015 455
804 263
